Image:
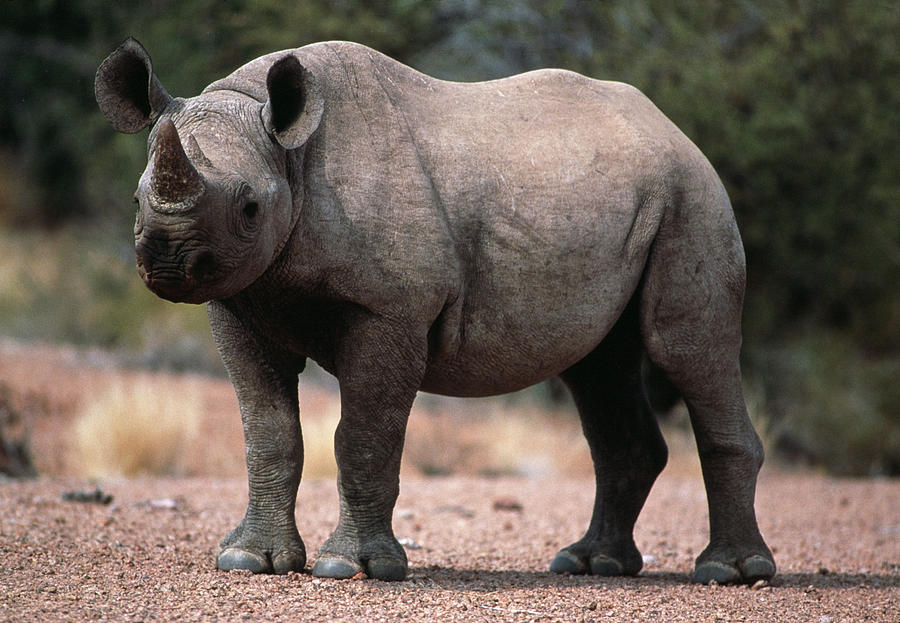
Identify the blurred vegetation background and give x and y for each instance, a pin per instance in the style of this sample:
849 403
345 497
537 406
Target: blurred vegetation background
796 103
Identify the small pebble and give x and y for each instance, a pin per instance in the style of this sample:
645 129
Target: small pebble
409 543
97 496
507 504
759 585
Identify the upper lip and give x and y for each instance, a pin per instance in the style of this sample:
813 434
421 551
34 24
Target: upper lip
169 283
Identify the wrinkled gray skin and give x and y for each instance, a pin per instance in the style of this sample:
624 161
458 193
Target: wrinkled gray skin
411 234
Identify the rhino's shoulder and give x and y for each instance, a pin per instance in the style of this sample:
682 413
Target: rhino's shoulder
250 79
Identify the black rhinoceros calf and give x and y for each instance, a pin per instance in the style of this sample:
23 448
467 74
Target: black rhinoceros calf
407 234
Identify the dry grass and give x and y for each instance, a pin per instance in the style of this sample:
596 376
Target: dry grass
138 427
88 418
320 414
494 437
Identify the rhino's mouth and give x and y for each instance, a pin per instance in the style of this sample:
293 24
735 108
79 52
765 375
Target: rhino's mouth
170 285
180 281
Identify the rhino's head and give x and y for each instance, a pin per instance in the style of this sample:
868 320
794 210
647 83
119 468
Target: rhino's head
216 203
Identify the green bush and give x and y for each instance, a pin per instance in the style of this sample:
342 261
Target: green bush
77 289
824 402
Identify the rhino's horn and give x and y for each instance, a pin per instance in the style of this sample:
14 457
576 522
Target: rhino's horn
174 177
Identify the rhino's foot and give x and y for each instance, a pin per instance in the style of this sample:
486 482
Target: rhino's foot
593 558
380 558
728 567
246 549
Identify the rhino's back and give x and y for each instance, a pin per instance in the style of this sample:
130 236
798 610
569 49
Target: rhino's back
550 121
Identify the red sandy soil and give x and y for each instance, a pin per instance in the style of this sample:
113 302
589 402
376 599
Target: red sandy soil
479 546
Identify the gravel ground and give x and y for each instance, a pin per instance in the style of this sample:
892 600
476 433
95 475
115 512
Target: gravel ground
478 548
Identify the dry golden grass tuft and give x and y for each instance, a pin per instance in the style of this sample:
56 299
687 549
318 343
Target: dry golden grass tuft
90 418
319 417
138 426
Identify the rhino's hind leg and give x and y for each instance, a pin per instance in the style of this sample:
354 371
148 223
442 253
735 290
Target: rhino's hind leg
730 456
690 320
627 449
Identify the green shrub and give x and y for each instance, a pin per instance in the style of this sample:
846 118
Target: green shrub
825 402
79 289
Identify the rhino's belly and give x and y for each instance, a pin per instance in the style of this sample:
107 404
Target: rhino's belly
494 346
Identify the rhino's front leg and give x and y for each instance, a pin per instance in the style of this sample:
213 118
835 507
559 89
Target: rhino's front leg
266 540
380 369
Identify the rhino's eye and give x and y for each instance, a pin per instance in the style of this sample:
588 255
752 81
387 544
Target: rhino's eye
251 209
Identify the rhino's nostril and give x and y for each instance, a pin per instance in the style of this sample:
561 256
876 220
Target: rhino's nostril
201 265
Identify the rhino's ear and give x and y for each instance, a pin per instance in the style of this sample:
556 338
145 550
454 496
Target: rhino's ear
295 103
128 92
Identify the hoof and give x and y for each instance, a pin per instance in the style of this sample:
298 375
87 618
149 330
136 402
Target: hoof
602 564
336 567
232 558
748 571
718 572
599 564
757 567
287 561
389 569
568 563
340 568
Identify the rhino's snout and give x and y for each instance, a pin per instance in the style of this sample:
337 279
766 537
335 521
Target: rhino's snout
172 273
